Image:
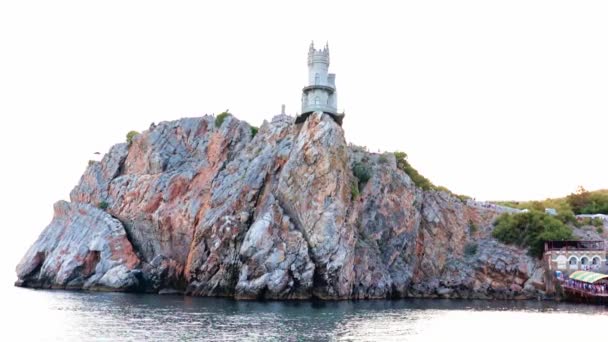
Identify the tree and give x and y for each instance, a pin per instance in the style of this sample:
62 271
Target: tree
530 230
579 200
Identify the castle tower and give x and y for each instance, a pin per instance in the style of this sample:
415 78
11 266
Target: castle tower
320 93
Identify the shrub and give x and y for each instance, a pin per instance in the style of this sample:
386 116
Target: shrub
254 131
130 136
597 222
600 230
472 227
103 205
362 172
91 162
463 198
441 188
530 230
219 119
382 159
470 249
418 179
567 217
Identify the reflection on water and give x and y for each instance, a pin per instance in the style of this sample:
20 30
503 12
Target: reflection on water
79 316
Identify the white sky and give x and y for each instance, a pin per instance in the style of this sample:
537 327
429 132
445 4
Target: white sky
497 100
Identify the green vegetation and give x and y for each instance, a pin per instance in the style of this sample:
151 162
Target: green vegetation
363 173
462 198
530 230
103 205
421 181
472 228
585 202
254 131
131 135
219 119
470 249
418 179
382 159
580 202
597 222
600 230
567 217
91 162
354 190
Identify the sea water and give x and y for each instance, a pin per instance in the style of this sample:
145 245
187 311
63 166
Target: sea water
48 315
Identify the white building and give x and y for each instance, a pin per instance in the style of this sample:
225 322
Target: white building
320 93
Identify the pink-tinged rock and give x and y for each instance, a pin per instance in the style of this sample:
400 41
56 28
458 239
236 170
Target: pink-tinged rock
83 247
387 218
315 191
213 211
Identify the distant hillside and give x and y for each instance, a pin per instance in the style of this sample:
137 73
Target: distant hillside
580 202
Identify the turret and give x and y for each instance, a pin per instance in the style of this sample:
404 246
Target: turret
320 94
318 65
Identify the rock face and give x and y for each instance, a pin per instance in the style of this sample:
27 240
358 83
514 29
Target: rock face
214 211
83 247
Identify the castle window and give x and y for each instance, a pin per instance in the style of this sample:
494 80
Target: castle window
317 100
317 79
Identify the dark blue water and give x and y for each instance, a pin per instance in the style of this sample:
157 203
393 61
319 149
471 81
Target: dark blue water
81 316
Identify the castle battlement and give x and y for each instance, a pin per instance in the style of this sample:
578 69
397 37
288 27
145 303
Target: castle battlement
318 56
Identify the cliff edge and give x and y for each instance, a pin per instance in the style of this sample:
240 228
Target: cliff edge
215 211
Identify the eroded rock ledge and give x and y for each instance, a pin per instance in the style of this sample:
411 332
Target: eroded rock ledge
216 212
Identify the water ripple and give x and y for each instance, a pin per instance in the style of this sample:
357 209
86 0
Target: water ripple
82 316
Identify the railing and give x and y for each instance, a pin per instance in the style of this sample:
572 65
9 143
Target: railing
327 87
575 245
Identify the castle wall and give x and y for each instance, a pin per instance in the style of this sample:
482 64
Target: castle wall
320 69
573 260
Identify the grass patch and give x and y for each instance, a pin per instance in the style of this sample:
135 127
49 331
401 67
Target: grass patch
354 190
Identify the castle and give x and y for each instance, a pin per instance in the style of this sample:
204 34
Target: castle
320 93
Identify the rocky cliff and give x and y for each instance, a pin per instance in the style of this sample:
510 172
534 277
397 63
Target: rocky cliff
213 211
